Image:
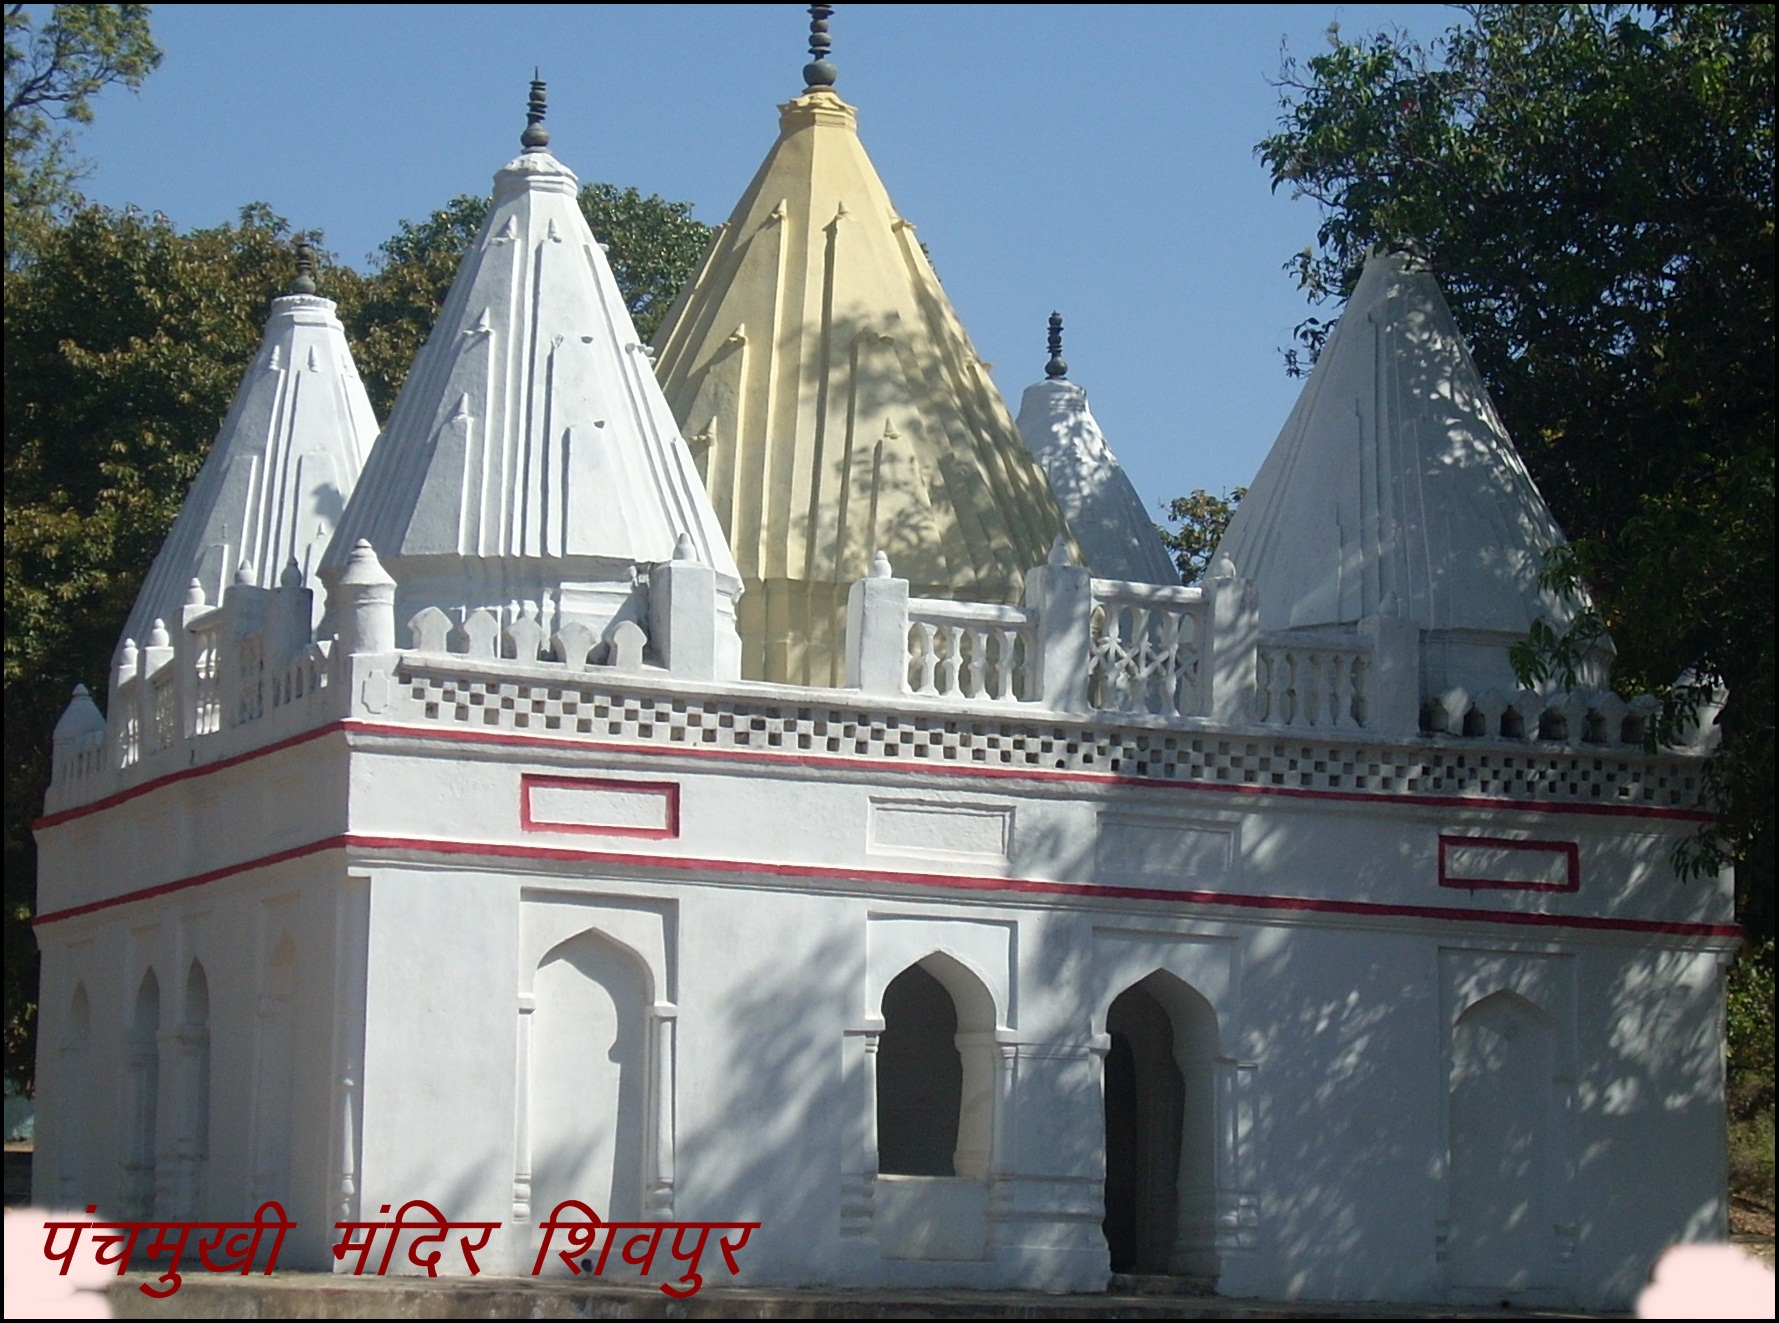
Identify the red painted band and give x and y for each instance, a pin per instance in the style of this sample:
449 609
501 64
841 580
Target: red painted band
1036 886
197 880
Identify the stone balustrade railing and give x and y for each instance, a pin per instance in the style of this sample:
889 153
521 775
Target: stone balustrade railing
1312 682
1145 649
1141 654
969 650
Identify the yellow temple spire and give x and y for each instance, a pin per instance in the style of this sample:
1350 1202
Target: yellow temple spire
835 404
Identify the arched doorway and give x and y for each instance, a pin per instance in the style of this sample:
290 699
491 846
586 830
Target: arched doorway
920 1078
1160 1192
1503 1050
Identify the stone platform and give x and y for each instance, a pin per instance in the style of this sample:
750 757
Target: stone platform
319 1296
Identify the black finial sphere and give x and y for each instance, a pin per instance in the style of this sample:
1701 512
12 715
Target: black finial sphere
305 268
536 137
1056 368
820 71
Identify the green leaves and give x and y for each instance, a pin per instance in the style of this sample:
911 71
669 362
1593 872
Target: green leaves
1593 185
1201 518
52 73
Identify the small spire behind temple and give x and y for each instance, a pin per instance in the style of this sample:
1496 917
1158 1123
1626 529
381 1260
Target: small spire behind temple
820 71
536 137
1056 367
305 268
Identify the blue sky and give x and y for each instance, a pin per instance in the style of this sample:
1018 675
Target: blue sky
1094 159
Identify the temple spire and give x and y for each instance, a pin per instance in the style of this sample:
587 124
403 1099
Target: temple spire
1394 488
530 457
838 406
1056 368
536 137
820 71
1108 519
286 459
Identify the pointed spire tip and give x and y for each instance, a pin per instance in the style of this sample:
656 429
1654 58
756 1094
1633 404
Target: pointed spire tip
820 71
1056 369
304 283
536 137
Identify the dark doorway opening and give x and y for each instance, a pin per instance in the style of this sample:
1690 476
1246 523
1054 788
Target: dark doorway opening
1145 1115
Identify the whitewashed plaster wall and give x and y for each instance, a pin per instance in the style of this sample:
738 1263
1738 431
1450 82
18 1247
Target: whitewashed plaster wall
275 1032
767 899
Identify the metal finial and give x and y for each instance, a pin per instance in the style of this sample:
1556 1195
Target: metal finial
305 268
1056 367
820 71
536 137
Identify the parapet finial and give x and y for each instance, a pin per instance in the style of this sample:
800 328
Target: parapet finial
1056 367
536 137
820 71
305 268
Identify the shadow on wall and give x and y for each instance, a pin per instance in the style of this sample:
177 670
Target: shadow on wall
1492 1099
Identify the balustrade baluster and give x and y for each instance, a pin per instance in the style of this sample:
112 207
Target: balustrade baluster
1004 665
1343 691
952 660
928 656
978 661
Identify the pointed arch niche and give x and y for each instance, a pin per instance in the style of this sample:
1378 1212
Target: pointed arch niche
142 1085
1160 1103
1507 1232
274 1073
77 1059
192 1141
1179 1187
594 1108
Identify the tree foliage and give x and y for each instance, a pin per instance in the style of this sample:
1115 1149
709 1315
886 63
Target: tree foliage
52 73
1594 187
1201 518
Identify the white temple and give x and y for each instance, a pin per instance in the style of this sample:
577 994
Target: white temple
1260 933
